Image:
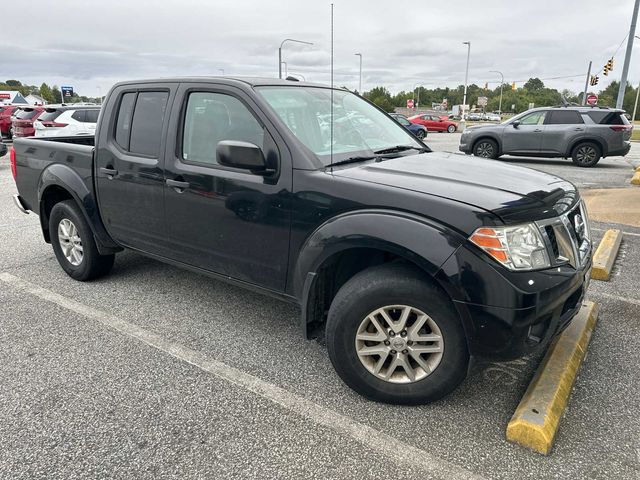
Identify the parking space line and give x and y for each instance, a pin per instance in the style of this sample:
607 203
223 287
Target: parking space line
623 231
632 301
377 441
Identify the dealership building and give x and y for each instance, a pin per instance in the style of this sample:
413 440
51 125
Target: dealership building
8 97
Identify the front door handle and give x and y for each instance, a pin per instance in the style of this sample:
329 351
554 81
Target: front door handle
537 130
109 172
177 185
579 129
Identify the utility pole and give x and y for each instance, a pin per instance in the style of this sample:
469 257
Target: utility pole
586 84
360 83
627 57
635 106
466 80
501 84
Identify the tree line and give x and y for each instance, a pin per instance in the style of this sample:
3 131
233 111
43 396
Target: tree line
533 91
50 94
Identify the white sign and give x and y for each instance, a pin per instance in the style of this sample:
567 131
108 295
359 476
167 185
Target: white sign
482 101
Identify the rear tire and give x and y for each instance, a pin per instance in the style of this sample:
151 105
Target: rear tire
74 245
586 154
486 148
431 357
451 128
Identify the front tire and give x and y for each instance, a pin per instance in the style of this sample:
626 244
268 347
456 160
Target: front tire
451 128
394 337
486 148
421 134
586 154
74 245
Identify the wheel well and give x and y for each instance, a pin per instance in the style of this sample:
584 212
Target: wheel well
52 195
334 273
600 145
486 137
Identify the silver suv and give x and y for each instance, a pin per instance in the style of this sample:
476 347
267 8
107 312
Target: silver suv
584 134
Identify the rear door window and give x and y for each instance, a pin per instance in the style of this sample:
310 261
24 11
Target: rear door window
564 117
79 115
92 116
123 124
146 126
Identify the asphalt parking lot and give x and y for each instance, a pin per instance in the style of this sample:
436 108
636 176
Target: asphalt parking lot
156 372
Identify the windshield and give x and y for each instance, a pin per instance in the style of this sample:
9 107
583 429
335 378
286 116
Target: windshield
359 129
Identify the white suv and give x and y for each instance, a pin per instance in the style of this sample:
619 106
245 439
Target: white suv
67 121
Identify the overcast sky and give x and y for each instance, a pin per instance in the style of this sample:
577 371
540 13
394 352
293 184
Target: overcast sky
91 44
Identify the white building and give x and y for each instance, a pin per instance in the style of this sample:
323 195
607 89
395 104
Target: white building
34 99
10 96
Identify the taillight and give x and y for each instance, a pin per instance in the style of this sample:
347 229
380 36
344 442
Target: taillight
12 160
53 124
620 128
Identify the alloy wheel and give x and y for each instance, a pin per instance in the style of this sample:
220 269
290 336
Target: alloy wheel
484 150
586 154
399 344
70 242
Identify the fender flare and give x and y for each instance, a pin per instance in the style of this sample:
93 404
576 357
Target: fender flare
419 240
60 175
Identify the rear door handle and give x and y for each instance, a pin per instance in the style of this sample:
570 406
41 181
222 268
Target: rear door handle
537 130
177 185
109 172
579 129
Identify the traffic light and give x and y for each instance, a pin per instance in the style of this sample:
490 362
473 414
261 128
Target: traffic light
486 85
594 80
513 86
608 67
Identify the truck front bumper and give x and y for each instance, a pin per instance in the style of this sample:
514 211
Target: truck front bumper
521 311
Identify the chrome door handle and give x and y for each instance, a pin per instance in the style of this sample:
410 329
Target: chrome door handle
177 185
109 172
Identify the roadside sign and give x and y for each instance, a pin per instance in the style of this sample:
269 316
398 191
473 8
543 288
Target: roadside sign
592 99
5 95
445 103
410 103
67 92
531 105
482 101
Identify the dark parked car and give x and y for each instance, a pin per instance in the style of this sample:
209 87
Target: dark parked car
411 261
584 134
419 131
3 149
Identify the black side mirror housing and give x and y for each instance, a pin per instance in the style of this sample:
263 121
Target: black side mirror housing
515 123
244 155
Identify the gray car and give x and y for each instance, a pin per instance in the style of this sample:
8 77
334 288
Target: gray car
584 134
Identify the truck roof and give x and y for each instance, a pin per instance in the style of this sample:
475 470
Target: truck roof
245 81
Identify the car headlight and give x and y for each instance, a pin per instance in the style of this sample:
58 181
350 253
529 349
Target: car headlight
518 248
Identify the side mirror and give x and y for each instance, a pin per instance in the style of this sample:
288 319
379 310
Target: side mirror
515 123
245 155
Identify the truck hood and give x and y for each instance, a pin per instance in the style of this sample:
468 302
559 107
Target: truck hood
515 194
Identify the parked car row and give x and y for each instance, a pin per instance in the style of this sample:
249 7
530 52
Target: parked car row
48 121
484 117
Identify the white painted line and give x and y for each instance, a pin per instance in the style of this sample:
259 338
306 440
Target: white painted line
369 437
632 301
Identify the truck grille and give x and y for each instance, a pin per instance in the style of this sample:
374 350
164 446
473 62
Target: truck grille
567 237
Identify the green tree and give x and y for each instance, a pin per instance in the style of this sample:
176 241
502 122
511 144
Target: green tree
13 83
534 84
57 96
46 93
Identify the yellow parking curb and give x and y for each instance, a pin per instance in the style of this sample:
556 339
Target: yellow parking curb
535 422
635 180
606 254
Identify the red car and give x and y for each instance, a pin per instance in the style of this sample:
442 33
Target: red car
434 123
23 121
5 119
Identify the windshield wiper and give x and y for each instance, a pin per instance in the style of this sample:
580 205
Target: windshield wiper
358 158
400 148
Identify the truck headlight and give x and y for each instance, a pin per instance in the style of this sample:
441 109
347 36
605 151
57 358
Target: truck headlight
518 248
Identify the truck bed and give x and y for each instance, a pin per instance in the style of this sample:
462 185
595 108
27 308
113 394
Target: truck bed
36 158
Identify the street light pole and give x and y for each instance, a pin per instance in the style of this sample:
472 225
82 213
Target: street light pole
280 52
501 85
627 56
466 80
360 82
286 70
416 88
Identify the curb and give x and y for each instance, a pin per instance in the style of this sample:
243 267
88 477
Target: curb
535 422
606 254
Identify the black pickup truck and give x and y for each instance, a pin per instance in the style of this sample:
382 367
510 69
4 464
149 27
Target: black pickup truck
412 262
